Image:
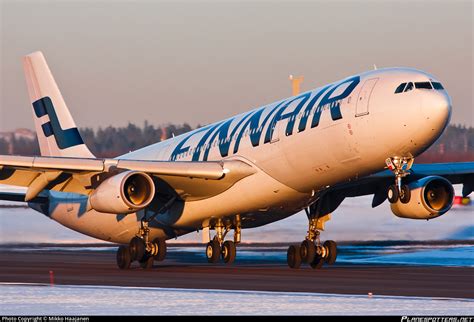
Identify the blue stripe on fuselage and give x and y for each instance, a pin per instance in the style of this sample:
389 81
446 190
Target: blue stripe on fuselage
252 121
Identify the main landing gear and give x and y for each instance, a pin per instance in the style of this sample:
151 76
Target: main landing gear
141 250
400 166
217 247
311 251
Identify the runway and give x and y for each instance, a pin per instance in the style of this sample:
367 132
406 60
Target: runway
262 269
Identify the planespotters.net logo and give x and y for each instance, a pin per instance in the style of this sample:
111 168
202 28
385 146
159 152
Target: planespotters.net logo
437 319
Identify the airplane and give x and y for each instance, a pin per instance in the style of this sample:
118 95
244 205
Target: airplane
353 137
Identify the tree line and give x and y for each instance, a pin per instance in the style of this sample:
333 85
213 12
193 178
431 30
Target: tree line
455 144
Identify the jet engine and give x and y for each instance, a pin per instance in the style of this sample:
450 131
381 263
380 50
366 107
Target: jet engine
123 193
429 197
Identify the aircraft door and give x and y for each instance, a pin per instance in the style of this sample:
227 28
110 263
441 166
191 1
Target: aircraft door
276 132
362 105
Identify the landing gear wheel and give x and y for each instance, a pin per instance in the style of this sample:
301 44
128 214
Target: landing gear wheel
405 194
213 251
137 248
331 247
307 251
293 257
317 262
228 252
161 249
146 262
393 194
123 257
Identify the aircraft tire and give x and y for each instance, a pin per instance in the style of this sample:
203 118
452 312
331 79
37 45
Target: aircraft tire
307 251
137 248
293 256
229 252
162 249
147 262
393 194
317 263
331 246
405 194
123 257
213 251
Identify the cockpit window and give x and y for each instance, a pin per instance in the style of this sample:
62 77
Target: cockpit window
424 85
437 86
406 87
400 88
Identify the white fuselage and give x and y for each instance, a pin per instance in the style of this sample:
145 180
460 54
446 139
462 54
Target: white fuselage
320 138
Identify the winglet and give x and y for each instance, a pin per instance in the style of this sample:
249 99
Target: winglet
57 133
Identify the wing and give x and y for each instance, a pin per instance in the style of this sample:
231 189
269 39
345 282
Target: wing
18 196
377 184
190 180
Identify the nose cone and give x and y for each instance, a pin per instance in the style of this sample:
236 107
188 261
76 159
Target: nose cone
436 109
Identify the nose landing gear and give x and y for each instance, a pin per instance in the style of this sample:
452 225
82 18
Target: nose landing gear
400 166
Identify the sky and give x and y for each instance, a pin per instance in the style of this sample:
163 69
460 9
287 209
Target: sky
202 61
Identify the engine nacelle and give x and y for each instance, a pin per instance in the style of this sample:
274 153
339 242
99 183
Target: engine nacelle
430 197
123 193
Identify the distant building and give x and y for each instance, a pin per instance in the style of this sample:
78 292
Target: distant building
26 134
18 134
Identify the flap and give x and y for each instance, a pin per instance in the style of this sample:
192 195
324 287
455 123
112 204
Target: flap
190 189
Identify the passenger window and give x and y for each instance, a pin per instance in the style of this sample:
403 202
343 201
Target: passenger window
423 85
409 87
437 86
400 88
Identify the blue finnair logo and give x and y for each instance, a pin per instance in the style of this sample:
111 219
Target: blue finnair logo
307 105
64 138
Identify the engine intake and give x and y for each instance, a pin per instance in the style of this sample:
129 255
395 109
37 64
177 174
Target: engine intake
124 193
431 197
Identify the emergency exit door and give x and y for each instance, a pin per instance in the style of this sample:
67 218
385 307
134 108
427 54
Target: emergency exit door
363 102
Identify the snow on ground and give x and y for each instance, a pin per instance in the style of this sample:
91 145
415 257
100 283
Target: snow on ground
29 299
353 220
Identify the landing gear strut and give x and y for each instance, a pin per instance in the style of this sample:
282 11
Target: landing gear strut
217 247
311 251
140 248
400 166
